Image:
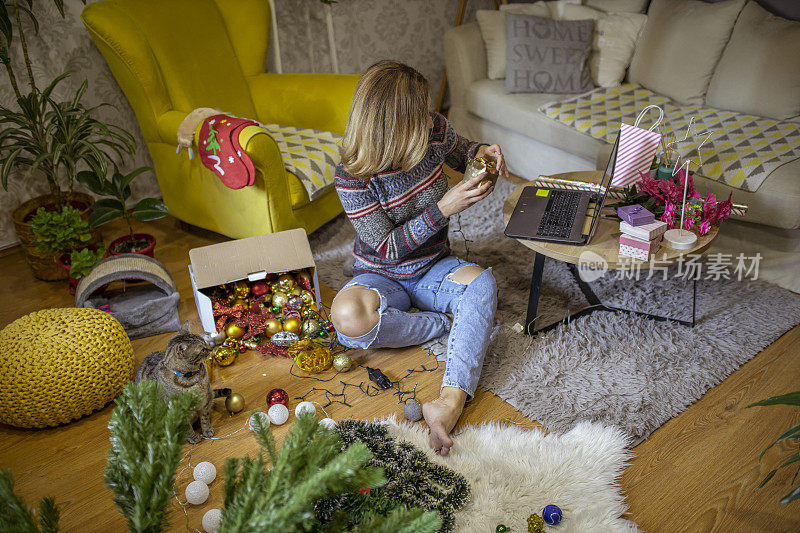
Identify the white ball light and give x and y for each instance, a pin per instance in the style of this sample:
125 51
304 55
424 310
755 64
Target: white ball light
251 422
196 492
278 413
205 472
328 423
302 407
212 520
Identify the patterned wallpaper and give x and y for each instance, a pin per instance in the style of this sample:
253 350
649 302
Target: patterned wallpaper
363 32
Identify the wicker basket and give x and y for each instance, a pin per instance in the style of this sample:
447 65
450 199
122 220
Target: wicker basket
44 266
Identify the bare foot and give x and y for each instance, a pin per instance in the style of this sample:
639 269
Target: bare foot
441 415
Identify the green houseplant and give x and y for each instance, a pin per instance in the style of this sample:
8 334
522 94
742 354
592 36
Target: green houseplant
49 138
66 235
117 191
793 398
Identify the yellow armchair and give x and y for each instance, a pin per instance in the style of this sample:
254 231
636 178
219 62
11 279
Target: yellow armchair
172 56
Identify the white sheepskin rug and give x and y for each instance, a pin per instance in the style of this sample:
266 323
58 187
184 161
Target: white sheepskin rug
514 472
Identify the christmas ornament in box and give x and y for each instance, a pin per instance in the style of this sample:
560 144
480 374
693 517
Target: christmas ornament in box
249 260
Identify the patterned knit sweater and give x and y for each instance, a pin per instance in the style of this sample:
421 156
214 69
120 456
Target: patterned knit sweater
400 230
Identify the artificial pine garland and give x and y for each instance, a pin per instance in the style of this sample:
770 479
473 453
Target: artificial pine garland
412 480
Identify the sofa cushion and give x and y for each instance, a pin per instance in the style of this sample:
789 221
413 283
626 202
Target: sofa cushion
519 112
759 72
493 32
547 56
741 152
680 45
613 41
612 6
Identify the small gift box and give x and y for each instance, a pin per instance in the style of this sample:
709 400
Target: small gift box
638 248
647 232
648 246
479 165
635 215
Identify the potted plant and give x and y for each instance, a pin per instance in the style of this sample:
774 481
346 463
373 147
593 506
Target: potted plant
117 191
58 234
50 138
667 158
79 263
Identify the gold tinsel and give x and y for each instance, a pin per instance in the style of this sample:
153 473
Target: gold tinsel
311 356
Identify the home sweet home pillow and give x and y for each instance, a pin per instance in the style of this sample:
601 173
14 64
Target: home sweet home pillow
547 56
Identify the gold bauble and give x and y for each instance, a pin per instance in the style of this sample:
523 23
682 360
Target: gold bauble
311 356
286 282
224 355
240 301
292 325
232 330
295 291
273 326
308 297
274 287
309 312
279 299
234 403
311 327
241 289
342 362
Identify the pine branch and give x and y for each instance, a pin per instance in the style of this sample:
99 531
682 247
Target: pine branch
16 517
147 437
403 520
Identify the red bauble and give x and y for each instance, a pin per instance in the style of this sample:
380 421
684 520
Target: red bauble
277 396
259 288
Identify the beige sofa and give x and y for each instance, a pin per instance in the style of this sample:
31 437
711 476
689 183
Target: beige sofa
535 144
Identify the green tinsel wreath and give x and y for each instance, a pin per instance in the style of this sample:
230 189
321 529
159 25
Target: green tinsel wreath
413 480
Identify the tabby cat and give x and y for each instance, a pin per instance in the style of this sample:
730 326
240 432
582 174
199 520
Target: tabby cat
179 368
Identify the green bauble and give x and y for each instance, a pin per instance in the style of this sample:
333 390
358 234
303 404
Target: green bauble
501 528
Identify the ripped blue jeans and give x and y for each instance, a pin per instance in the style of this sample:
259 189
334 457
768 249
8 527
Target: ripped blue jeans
473 308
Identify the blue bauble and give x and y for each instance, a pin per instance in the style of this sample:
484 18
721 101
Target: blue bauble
551 514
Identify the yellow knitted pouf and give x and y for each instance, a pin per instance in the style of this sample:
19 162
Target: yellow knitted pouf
58 365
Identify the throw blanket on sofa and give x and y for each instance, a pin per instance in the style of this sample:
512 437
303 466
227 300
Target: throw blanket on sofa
311 155
743 151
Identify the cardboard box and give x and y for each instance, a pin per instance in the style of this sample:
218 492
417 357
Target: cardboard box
252 259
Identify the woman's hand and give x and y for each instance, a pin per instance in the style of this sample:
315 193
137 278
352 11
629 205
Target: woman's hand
464 195
493 152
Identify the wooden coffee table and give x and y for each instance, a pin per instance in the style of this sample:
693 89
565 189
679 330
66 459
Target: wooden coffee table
605 244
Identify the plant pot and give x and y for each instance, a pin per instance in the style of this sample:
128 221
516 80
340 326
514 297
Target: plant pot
148 250
43 265
664 172
65 263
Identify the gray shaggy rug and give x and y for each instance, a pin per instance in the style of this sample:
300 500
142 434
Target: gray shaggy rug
619 369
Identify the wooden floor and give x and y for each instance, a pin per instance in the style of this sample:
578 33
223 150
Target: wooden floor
696 473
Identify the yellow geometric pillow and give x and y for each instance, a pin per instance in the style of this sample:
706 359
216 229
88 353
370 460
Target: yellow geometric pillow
57 365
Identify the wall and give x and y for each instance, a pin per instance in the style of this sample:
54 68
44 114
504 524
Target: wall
64 45
363 32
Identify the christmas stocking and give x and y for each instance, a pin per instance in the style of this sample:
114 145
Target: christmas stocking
220 151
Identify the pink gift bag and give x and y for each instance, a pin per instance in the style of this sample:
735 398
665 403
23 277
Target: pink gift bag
637 148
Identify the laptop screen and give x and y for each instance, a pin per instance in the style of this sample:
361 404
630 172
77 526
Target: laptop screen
605 183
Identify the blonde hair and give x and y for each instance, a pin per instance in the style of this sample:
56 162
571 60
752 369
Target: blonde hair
388 123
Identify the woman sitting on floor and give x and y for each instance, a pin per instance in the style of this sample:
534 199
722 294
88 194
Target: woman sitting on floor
392 187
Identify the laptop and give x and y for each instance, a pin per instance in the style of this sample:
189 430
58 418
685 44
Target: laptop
555 215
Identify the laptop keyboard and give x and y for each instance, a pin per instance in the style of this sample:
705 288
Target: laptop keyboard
559 214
